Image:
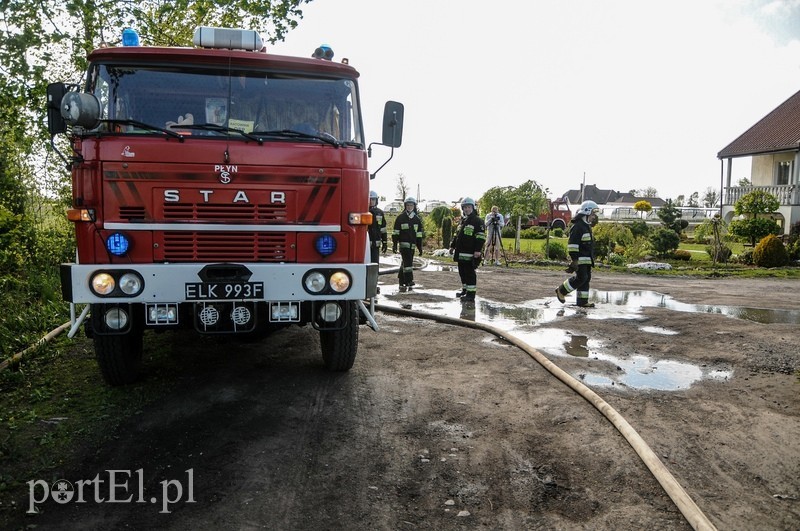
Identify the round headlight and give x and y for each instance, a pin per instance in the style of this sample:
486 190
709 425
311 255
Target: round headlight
330 312
340 282
117 244
116 318
103 283
325 245
315 282
130 284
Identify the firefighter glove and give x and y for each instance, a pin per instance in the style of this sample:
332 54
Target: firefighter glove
572 267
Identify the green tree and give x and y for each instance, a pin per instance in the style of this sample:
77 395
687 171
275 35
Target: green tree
710 198
438 216
642 207
527 199
751 205
670 217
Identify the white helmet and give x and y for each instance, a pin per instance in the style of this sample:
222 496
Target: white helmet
587 207
373 194
411 200
467 201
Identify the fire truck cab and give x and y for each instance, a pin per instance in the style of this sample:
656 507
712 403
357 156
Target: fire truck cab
219 188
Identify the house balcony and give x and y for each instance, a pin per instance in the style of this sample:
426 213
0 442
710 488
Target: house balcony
787 194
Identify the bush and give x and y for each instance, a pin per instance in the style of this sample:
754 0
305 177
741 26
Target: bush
770 252
616 259
638 228
533 233
682 254
508 232
558 232
664 241
555 250
723 253
746 257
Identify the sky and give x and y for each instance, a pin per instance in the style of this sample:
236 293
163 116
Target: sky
622 94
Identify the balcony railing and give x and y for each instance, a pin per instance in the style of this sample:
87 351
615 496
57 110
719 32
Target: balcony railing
787 194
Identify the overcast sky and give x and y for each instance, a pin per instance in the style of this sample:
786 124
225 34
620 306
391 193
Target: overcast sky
633 93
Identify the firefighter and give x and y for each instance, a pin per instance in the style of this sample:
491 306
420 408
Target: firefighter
466 249
581 251
408 234
377 231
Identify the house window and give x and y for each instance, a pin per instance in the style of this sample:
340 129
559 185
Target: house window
783 170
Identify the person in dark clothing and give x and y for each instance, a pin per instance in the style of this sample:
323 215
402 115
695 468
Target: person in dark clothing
407 234
378 235
581 250
467 247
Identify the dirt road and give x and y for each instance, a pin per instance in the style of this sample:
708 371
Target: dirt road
439 427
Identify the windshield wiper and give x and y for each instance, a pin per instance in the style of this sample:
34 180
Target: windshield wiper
291 133
221 129
142 125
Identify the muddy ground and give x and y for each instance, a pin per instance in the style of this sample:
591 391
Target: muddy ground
438 427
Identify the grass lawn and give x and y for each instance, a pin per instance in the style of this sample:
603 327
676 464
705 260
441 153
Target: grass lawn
698 250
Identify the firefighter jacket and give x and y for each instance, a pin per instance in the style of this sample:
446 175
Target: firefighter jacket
407 231
470 237
377 230
580 245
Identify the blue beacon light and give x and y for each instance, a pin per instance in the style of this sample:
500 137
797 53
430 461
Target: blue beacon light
130 37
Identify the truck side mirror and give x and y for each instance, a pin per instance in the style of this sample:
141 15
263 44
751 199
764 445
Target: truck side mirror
55 122
392 124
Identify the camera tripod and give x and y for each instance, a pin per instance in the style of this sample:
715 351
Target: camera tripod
495 237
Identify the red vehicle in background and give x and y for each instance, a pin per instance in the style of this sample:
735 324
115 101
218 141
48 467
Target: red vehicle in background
557 216
219 188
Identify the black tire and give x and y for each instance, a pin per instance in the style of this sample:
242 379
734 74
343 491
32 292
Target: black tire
558 224
339 347
119 357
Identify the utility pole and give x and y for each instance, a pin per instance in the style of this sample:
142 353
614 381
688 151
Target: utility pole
583 185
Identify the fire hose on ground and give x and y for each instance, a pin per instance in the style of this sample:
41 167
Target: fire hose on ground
674 490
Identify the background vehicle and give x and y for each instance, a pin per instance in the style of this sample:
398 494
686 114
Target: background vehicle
219 188
558 215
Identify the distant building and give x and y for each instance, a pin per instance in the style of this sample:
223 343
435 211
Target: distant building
609 197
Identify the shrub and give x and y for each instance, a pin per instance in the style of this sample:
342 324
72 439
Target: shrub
638 249
447 231
508 232
664 241
681 254
638 228
555 250
558 232
723 252
770 252
616 259
532 233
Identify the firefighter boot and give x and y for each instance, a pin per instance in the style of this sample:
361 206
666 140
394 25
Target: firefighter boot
468 297
461 293
560 294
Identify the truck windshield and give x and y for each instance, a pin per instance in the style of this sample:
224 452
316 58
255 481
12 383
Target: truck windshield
220 101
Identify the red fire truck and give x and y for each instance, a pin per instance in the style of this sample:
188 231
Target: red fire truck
557 216
220 188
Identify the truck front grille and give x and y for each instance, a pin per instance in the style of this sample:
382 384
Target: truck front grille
213 211
180 246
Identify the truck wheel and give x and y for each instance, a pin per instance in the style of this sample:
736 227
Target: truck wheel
119 357
339 347
559 224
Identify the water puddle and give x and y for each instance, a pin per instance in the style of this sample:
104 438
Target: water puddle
528 321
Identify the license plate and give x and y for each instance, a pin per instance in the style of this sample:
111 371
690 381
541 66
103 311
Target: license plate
203 291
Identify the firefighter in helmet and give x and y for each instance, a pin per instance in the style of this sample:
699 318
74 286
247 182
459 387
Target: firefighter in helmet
581 251
377 230
466 248
407 234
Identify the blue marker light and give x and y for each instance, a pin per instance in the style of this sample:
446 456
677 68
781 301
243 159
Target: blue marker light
325 245
117 244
